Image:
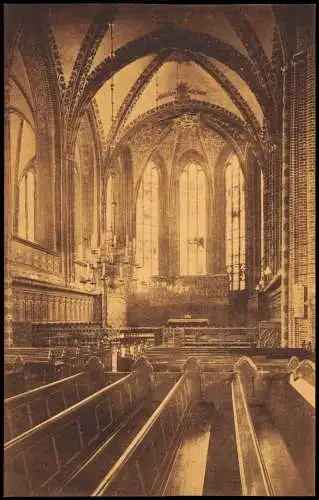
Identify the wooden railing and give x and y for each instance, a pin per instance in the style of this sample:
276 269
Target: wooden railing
197 335
269 334
130 335
40 460
253 473
66 334
140 471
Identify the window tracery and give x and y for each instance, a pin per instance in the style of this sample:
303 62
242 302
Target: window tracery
235 225
193 220
147 223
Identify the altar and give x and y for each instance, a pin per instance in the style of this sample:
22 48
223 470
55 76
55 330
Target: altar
174 332
187 322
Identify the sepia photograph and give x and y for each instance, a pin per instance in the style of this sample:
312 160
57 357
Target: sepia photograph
159 249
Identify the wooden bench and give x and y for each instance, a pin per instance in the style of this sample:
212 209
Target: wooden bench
47 365
254 476
30 408
40 460
14 382
188 470
274 432
283 473
144 466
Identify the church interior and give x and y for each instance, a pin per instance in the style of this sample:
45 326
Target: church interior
159 250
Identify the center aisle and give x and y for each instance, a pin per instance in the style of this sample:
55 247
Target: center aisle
222 470
206 463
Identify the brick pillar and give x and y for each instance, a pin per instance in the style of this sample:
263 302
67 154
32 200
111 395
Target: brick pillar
311 195
285 217
298 209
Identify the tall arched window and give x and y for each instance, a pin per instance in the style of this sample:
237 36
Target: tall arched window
262 241
78 226
26 214
147 223
110 208
193 220
235 224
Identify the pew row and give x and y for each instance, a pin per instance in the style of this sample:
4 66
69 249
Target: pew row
39 461
274 431
253 473
42 365
28 409
85 479
14 382
143 469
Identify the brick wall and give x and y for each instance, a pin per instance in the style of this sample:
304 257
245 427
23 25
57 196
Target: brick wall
302 195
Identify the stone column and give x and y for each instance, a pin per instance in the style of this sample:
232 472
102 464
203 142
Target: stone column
104 304
50 308
285 216
68 181
8 224
54 308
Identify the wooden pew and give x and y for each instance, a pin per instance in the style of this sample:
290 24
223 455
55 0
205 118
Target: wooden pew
46 365
265 405
39 461
253 473
143 468
14 382
291 405
26 410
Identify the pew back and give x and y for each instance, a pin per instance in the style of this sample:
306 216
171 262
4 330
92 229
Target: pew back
38 461
253 473
142 468
30 408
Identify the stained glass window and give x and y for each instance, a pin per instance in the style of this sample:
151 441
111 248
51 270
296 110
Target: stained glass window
110 208
26 222
235 224
193 221
147 223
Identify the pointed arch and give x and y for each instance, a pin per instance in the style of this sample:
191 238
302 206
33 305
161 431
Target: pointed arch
235 224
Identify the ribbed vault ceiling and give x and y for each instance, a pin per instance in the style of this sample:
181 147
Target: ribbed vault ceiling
234 74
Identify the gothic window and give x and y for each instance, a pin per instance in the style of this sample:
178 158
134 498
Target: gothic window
110 208
26 214
262 242
78 226
193 220
235 224
22 141
147 223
